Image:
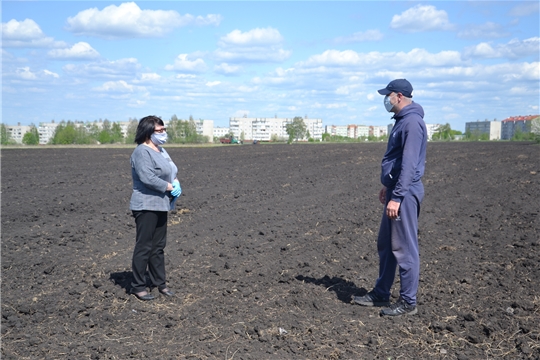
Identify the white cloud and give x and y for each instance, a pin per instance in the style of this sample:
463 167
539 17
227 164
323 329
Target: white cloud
135 103
50 73
254 37
183 63
255 54
149 77
185 76
421 18
212 83
514 49
519 90
526 9
362 36
25 30
452 116
375 59
342 90
122 68
25 73
488 30
8 57
227 69
256 45
26 33
210 19
128 21
79 51
336 106
118 87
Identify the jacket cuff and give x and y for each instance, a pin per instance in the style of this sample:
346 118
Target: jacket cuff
396 198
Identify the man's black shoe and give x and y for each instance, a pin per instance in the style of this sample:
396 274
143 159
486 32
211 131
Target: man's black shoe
401 307
370 299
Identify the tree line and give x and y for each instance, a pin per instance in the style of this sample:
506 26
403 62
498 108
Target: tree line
68 133
185 132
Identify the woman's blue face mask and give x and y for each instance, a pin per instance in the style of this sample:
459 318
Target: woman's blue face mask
159 138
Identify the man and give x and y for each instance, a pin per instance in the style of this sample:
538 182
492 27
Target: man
402 193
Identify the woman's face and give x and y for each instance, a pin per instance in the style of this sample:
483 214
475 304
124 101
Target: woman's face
159 129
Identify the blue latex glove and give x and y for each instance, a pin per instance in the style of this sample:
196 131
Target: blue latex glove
177 190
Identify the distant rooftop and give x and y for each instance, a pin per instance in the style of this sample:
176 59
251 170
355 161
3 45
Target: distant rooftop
521 118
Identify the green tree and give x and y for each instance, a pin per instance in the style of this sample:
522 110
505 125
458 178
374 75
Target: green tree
82 136
296 129
190 130
64 134
93 131
104 137
535 129
71 133
174 130
444 132
31 137
5 137
132 131
116 133
326 137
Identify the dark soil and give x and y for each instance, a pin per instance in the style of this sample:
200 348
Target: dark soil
265 249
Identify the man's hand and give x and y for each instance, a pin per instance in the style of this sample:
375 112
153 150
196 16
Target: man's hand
392 209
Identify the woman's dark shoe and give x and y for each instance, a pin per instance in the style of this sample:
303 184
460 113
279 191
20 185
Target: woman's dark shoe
143 296
166 292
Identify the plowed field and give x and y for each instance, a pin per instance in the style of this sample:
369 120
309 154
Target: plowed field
265 249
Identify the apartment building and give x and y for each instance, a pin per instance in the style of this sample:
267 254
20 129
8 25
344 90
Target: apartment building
46 132
479 128
262 129
16 132
205 128
220 132
511 125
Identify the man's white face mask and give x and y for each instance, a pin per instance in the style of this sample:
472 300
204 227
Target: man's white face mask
387 104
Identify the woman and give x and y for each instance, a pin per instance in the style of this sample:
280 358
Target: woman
155 189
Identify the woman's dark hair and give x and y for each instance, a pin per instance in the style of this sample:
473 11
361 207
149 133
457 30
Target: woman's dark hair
146 128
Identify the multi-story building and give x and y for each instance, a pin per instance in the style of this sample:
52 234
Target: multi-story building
378 131
479 128
205 128
350 131
513 124
263 129
337 130
16 132
46 132
220 132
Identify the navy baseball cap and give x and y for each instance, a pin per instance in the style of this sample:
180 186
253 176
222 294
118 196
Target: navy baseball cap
398 86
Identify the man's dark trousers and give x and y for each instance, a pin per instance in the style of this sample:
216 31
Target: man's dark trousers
398 246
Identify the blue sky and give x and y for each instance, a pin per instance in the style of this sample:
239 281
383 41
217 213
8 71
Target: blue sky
91 60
